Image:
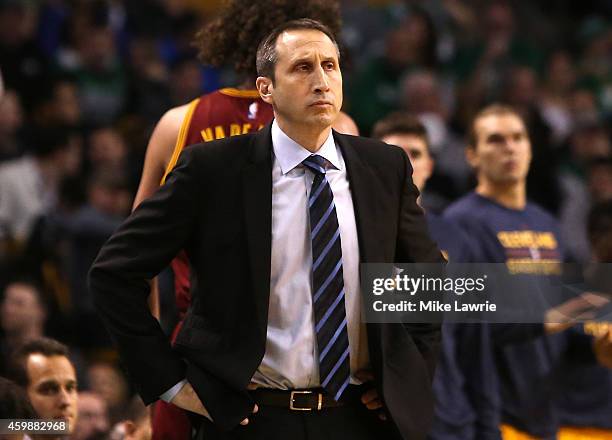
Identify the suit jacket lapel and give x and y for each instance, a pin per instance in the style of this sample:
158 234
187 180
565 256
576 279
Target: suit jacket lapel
257 190
362 182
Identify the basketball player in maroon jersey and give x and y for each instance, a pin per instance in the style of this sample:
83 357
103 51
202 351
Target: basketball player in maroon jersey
231 39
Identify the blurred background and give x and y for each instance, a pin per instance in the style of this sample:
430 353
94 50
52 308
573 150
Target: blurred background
85 82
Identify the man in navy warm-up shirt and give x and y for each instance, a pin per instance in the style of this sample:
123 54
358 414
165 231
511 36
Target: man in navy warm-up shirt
505 228
456 417
526 370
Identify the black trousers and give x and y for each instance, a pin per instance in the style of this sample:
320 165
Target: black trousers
350 422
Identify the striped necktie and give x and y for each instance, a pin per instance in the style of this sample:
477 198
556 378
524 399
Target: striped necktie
327 283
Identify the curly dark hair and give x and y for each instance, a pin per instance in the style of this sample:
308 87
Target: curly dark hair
231 39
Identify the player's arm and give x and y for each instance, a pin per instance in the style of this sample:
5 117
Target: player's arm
159 151
158 155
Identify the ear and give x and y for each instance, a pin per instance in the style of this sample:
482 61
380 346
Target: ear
471 157
129 428
265 87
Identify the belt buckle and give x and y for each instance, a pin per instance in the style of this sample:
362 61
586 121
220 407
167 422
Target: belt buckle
292 400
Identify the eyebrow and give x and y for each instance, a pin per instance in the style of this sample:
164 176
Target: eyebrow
499 134
56 382
301 60
307 59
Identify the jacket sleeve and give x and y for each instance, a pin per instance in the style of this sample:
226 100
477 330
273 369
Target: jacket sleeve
414 245
118 280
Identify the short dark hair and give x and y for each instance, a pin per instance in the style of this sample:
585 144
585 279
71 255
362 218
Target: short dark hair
18 364
400 123
14 402
493 109
267 56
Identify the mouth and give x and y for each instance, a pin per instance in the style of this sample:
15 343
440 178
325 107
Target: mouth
510 164
64 416
320 104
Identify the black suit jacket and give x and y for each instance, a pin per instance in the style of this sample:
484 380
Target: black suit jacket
216 204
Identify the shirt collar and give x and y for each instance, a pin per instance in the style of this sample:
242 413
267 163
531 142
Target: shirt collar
290 154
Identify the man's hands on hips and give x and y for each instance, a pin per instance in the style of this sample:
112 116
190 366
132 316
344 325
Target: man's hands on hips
370 398
187 399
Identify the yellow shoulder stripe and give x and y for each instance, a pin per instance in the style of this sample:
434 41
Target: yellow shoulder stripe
229 91
180 140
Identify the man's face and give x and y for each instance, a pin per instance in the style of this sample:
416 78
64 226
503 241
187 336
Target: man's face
420 159
20 308
107 147
503 152
66 103
307 88
52 387
106 381
70 158
93 421
600 182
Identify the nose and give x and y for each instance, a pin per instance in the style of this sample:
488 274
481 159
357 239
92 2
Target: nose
510 145
320 82
65 397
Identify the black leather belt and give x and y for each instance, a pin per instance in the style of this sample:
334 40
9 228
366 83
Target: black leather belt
305 400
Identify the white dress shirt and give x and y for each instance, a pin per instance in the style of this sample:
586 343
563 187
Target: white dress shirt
291 359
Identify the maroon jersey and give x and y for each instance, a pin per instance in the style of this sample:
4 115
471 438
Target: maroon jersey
222 113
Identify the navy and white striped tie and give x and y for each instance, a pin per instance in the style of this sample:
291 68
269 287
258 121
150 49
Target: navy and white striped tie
327 283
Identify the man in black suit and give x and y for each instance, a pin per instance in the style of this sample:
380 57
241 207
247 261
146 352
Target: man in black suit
275 225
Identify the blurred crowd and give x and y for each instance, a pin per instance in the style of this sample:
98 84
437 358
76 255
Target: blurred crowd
85 82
